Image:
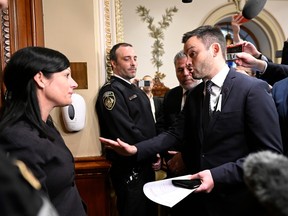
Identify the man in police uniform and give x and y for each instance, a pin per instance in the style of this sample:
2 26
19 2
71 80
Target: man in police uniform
124 112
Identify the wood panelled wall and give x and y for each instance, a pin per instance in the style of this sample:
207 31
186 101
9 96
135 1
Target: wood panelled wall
93 184
26 23
24 27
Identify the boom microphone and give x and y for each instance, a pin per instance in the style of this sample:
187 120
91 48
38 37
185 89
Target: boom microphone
187 1
266 174
252 8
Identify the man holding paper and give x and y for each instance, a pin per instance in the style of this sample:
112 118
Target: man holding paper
244 121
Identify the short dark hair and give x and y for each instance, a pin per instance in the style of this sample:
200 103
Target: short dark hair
112 55
208 34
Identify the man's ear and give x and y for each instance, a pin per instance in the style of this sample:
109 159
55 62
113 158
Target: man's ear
215 48
113 63
39 79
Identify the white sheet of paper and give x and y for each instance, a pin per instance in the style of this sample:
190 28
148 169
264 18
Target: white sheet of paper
165 193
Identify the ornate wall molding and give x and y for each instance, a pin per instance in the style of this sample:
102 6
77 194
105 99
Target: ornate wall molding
113 28
4 48
119 21
108 35
5 27
265 21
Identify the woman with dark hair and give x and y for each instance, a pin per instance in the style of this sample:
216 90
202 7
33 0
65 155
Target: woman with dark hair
38 79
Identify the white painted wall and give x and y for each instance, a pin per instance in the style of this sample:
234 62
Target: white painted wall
188 17
70 27
74 28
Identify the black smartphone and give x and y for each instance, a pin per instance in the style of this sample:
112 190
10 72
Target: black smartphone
232 52
186 183
143 83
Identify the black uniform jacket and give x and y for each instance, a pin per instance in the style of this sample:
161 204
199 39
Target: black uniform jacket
51 162
124 112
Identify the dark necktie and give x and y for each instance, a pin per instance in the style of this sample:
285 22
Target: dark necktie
206 104
184 96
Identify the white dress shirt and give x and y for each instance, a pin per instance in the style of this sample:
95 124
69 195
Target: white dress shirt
215 97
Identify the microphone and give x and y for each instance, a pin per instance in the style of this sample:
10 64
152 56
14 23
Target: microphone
187 1
266 175
252 8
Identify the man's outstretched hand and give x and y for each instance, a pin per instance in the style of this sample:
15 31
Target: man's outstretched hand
119 146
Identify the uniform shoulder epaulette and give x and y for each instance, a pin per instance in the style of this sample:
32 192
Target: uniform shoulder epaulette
107 83
27 174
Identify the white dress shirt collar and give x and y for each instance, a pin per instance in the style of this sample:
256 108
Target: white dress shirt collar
122 78
219 78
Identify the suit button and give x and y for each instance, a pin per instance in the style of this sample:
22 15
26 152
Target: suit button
203 155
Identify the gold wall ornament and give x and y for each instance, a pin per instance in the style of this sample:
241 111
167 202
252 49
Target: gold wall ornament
108 37
5 37
115 16
5 47
159 76
119 21
157 32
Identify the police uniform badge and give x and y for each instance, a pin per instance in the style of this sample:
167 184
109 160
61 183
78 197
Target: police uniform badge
109 100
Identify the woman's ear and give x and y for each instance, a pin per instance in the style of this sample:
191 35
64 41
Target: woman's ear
39 79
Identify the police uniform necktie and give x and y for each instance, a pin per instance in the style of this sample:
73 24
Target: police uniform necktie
206 104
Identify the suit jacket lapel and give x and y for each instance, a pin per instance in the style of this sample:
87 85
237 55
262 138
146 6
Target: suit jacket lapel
200 108
226 89
227 86
178 98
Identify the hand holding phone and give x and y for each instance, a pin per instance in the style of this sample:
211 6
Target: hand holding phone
232 51
143 83
187 183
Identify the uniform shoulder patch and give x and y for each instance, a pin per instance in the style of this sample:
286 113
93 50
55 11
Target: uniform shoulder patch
109 100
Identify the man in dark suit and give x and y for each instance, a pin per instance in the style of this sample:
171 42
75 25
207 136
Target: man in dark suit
280 95
242 119
156 102
173 103
174 99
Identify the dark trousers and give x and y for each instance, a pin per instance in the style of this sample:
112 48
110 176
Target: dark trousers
131 200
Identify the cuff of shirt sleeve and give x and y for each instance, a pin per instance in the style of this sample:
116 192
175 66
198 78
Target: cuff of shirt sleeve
265 67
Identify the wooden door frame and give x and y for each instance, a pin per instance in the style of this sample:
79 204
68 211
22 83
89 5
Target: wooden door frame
21 26
26 23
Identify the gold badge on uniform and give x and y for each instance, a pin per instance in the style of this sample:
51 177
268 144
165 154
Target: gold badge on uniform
109 100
